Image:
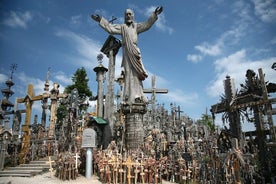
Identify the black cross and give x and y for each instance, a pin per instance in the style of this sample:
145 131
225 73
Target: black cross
112 20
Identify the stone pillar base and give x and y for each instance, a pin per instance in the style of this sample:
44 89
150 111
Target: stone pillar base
134 131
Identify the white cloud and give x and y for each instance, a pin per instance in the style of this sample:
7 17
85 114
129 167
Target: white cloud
76 20
161 23
229 37
38 86
194 58
236 65
24 80
273 41
88 51
160 82
62 77
87 48
3 78
266 10
208 49
182 97
18 19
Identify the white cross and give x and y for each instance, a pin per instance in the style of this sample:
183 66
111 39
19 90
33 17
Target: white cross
76 160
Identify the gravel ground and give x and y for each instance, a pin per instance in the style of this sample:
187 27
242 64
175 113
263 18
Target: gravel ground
46 179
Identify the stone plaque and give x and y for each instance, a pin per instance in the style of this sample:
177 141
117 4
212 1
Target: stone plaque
88 138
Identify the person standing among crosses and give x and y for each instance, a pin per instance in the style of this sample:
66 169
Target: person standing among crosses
132 65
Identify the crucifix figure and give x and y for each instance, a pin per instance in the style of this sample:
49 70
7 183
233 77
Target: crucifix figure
132 66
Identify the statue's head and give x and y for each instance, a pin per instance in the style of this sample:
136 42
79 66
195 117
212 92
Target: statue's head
129 16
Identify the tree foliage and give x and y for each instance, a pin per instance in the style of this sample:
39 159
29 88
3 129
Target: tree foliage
207 120
80 82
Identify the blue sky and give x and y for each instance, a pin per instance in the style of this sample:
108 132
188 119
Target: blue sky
190 49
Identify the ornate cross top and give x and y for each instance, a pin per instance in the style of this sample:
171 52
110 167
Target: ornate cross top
129 165
13 68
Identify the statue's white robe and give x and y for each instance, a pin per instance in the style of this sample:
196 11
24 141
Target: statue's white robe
134 71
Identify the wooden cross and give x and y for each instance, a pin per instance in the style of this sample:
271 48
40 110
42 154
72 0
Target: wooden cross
178 111
136 171
121 169
114 162
51 168
142 173
129 165
28 100
54 95
153 91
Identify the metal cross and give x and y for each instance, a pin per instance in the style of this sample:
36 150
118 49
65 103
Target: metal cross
112 20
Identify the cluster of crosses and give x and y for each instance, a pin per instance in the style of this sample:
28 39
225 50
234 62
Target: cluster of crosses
174 147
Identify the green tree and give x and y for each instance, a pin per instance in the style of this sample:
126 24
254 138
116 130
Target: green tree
207 120
80 82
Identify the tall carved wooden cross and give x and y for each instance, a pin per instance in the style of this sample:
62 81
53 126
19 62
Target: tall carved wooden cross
54 96
28 100
153 91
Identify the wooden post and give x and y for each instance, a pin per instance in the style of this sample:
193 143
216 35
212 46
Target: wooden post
121 170
268 106
110 48
142 173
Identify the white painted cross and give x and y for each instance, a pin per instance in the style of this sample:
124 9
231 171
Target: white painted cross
76 160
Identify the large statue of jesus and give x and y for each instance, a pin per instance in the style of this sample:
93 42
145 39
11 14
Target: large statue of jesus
132 65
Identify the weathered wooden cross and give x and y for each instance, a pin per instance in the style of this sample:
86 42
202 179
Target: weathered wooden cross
153 91
51 167
54 96
129 163
29 99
